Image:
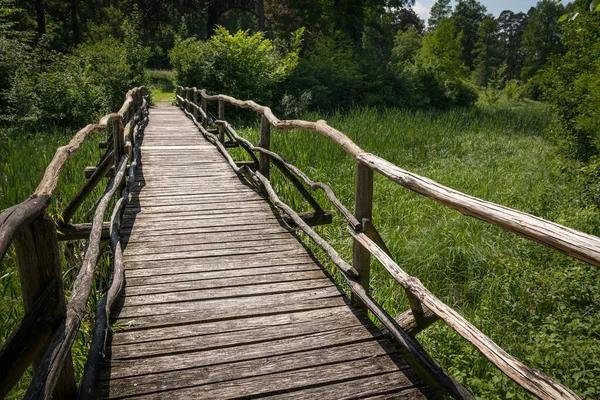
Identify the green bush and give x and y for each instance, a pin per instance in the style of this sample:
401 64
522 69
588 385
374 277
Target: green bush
72 90
241 65
459 93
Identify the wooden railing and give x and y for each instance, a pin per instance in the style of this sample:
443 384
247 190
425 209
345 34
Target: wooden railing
49 327
425 307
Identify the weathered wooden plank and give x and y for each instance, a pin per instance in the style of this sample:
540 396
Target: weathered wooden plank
195 199
185 218
153 277
155 315
230 282
210 237
229 325
235 261
206 223
239 369
125 368
140 233
259 249
220 340
190 293
197 209
286 384
141 250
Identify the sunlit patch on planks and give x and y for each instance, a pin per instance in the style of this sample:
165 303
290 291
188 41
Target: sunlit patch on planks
222 301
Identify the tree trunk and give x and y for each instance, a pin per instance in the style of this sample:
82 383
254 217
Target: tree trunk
75 22
41 17
211 19
260 10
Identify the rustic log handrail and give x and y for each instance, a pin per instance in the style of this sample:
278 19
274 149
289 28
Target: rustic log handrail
545 387
48 318
46 375
91 375
572 242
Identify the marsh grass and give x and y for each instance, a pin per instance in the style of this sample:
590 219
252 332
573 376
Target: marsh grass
538 304
23 160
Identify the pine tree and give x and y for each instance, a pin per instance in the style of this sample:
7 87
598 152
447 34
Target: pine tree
441 9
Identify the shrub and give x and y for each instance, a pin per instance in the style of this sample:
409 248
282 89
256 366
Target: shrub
241 65
512 90
72 90
459 93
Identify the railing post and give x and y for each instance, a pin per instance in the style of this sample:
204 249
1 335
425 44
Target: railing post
38 259
195 101
361 258
187 97
221 117
119 144
177 94
203 106
265 143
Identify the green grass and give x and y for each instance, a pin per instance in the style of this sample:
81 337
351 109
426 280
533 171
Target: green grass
161 85
538 304
23 160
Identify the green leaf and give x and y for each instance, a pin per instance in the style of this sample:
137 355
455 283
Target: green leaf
563 18
597 8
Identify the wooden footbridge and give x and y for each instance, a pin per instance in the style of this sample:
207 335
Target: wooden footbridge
212 293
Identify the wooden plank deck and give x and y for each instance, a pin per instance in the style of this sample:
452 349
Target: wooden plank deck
223 301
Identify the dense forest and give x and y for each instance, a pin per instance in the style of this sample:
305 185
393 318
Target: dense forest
504 108
64 61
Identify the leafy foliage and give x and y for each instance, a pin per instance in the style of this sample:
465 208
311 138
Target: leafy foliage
242 65
71 90
331 72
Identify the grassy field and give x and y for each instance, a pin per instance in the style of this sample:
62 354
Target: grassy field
539 305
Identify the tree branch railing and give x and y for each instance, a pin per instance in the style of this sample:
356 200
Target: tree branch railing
425 308
50 325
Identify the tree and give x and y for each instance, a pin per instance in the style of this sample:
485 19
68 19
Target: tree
406 46
487 50
404 18
572 86
442 51
541 37
511 27
468 16
441 9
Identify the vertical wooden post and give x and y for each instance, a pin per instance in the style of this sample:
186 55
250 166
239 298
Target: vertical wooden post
361 258
187 97
265 143
195 101
221 117
119 146
177 94
203 106
38 259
